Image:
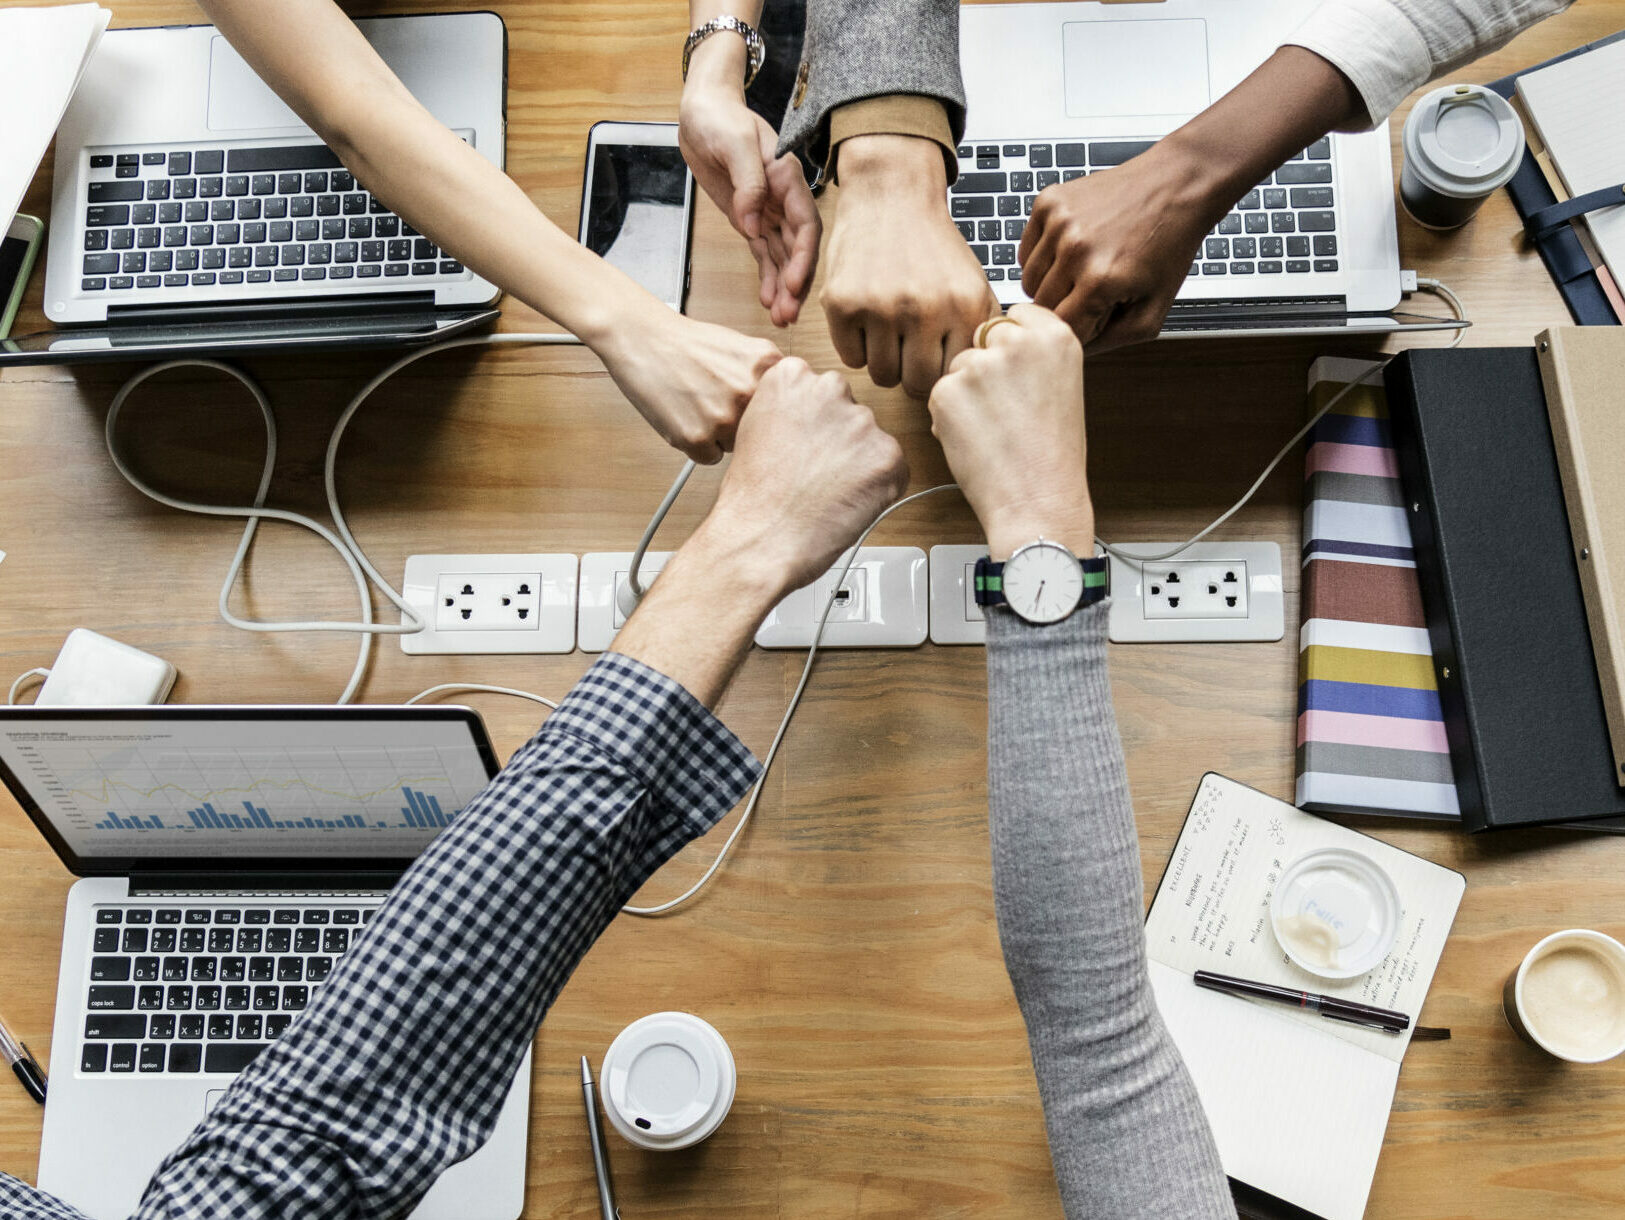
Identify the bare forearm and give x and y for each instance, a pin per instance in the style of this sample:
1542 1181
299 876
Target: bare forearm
333 79
1292 100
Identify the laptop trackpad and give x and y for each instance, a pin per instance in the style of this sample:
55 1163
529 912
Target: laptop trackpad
1149 67
238 99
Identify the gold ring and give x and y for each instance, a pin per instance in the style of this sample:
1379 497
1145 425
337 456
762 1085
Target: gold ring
982 331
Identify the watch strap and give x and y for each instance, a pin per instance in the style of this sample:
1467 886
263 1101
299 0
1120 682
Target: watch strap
755 49
989 578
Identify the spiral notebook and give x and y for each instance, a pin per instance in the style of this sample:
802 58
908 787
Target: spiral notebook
1298 1103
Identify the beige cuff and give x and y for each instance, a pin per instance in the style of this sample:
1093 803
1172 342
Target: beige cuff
902 114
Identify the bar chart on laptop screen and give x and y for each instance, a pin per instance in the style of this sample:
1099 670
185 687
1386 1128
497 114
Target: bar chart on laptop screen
159 795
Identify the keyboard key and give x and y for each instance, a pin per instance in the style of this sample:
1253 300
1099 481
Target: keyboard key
250 1027
360 228
211 161
208 998
121 281
1325 264
1275 197
95 283
1325 246
265 256
1256 222
1230 224
233 969
193 940
185 1057
109 969
122 1058
106 939
152 1056
1004 256
307 940
196 915
1250 201
1115 152
345 273
124 159
146 969
1305 173
211 188
221 940
302 205
1241 268
1283 222
101 161
183 188
1216 247
1297 247
1294 266
275 208
220 1026
1244 247
1013 229
231 1056
294 999
204 969
265 999
276 1025
306 230
258 277
315 183
349 251
1015 150
124 192
988 230
1312 197
1040 156
1071 154
257 915
1021 182
203 279
973 184
1009 205
1316 222
163 1026
1320 150
263 184
195 211
143 213
152 158
149 999
169 213
227 235
111 999
961 206
93 1058
369 271
163 940
278 940
1269 268
342 180
127 171
191 1026
197 235
96 239
111 1025
222 209
310 273
292 255
1270 247
318 968
123 239
248 209
158 188
327 205
231 277
386 226
107 216
174 970
991 162
1048 178
135 262
333 230
980 252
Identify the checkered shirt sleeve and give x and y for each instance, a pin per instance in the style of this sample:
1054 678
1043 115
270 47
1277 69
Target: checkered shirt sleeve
400 1066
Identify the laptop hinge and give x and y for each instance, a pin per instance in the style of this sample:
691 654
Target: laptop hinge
314 309
1261 307
267 885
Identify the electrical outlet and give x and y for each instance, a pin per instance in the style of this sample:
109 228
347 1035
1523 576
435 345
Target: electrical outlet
491 604
882 603
1209 592
603 583
955 616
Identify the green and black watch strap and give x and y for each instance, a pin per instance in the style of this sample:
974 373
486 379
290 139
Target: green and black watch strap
990 581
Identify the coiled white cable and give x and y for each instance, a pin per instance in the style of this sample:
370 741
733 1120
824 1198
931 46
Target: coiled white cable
344 542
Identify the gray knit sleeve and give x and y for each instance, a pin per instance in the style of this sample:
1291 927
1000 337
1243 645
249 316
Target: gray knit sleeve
857 49
1126 1129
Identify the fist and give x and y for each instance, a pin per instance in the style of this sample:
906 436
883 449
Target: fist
811 469
1010 419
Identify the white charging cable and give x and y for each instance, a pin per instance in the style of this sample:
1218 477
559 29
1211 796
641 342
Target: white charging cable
344 541
22 680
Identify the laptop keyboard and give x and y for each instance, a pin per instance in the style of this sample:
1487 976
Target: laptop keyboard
1287 225
210 217
197 989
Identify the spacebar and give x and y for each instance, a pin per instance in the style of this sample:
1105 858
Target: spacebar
231 1056
265 160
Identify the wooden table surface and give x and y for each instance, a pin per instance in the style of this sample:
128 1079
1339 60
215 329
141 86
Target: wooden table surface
848 951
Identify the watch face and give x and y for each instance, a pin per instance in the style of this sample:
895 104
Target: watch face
1043 582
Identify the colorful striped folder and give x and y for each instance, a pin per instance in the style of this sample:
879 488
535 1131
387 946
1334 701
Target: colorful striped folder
1370 732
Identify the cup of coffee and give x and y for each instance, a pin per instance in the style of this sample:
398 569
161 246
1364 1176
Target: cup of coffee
667 1081
1568 996
1462 143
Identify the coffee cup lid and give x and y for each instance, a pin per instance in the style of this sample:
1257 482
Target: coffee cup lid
667 1080
1335 912
1464 140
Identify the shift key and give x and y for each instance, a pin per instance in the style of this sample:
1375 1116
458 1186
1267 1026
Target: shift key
122 1025
126 191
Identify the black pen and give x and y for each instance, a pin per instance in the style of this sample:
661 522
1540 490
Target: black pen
600 1157
24 1064
1329 1006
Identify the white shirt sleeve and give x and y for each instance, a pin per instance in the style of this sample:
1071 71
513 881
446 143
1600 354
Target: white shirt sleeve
1387 48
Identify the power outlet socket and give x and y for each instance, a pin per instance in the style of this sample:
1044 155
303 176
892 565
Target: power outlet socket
1211 592
491 604
955 616
883 602
603 580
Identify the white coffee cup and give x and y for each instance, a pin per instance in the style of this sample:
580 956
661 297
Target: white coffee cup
1462 143
1568 996
667 1081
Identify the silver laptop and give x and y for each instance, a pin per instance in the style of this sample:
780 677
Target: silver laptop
1058 91
189 199
230 856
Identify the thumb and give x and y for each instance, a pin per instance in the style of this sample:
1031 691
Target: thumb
749 180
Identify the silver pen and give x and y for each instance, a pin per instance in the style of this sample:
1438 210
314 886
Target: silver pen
600 1156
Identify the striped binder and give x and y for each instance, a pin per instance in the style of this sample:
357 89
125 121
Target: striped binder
1371 734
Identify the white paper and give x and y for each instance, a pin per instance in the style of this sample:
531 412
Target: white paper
1298 1103
1576 107
43 52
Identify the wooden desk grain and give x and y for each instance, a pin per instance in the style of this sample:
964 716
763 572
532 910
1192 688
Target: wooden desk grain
848 951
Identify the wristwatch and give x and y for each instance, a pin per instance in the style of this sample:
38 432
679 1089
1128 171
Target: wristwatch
1042 582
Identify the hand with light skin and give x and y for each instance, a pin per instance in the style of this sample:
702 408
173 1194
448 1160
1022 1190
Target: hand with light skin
733 153
902 291
811 469
1108 253
1010 419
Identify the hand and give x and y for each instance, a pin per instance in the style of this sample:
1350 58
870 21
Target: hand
811 470
733 153
903 292
1010 419
1108 252
691 380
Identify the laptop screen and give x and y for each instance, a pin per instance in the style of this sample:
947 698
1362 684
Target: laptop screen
190 788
